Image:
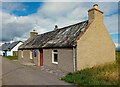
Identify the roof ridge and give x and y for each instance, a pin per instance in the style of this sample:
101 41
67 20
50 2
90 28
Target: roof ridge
62 28
72 24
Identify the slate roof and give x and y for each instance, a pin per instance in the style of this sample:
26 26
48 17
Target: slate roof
4 46
62 37
9 46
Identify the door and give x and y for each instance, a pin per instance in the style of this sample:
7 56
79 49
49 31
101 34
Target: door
5 53
41 57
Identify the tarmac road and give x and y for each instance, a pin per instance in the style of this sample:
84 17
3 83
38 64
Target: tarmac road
14 73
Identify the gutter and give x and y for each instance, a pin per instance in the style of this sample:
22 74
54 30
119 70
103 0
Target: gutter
74 58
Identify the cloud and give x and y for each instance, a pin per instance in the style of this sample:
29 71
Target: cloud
13 6
62 14
18 28
117 46
13 26
57 8
108 8
111 23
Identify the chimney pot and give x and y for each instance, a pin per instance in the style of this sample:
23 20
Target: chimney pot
95 6
56 27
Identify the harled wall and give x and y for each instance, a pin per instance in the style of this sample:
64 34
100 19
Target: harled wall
65 59
95 47
26 57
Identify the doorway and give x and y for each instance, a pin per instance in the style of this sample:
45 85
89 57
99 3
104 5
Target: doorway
41 57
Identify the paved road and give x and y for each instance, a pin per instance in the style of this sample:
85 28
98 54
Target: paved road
16 74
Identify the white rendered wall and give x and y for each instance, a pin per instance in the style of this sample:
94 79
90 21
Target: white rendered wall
1 52
10 53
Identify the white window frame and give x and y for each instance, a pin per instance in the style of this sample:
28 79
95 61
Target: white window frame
53 56
31 53
22 53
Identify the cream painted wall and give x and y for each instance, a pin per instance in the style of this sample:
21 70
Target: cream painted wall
95 46
27 57
38 57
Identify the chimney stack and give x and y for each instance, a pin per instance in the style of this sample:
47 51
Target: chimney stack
33 33
56 27
95 14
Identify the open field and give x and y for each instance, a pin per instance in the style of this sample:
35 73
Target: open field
99 75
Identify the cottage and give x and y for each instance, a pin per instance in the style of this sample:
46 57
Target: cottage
10 49
73 47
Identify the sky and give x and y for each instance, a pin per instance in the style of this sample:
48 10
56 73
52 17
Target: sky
19 18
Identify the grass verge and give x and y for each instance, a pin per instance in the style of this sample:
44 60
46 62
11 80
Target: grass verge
99 75
12 57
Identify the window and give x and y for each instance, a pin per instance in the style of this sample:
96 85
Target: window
22 54
55 56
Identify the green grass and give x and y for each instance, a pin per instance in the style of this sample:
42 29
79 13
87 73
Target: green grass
12 57
99 75
118 57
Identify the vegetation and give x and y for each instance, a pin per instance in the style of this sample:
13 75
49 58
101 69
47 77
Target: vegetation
118 57
99 75
12 57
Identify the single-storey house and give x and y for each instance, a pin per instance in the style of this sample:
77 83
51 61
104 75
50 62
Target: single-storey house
2 47
10 49
73 47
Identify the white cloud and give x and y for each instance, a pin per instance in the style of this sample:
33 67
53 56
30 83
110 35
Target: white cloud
50 14
63 13
57 8
12 6
14 26
117 45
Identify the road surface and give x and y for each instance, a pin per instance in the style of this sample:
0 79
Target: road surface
14 73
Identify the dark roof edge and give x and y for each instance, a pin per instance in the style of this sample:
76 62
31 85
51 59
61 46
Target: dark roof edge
45 48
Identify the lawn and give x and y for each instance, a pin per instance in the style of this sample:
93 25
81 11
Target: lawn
99 75
12 57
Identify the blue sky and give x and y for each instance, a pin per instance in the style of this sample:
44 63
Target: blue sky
22 8
30 8
22 17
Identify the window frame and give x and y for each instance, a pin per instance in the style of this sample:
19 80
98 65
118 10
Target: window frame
53 57
31 54
22 54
